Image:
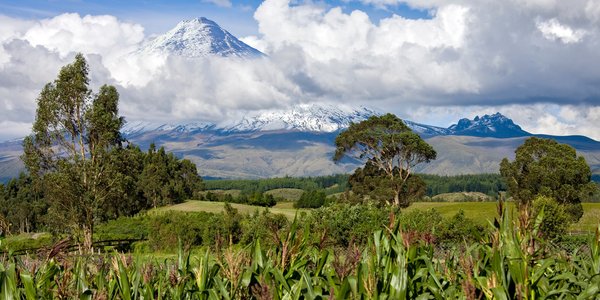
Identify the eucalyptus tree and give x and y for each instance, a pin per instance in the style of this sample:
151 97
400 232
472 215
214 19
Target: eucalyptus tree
73 134
544 167
388 145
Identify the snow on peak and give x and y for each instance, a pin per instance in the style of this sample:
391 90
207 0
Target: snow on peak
141 127
304 117
199 37
496 125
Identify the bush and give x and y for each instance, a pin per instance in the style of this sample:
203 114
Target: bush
165 230
422 221
224 228
256 198
557 218
123 228
344 223
263 227
26 241
311 199
459 228
455 229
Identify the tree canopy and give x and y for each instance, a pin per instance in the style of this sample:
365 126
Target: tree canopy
388 145
544 167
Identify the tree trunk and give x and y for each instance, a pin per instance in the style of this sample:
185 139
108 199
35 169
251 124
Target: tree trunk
88 232
396 198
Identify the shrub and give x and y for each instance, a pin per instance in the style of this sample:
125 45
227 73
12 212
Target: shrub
557 218
165 230
262 227
422 221
459 228
311 199
344 223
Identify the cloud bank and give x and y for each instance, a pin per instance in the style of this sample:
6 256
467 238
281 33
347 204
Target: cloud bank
533 60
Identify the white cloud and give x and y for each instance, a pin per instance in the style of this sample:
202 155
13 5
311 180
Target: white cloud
554 30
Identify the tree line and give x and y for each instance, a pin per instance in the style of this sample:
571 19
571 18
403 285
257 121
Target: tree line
146 180
247 186
490 184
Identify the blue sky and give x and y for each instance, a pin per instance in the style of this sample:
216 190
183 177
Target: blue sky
161 15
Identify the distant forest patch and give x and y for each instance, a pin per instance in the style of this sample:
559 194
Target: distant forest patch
489 184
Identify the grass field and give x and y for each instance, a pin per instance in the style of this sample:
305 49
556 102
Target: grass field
285 208
481 212
287 194
233 193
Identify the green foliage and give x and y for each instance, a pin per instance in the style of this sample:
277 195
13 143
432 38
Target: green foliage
22 208
556 220
390 146
489 184
26 241
256 198
459 228
248 186
75 155
545 167
343 224
168 229
72 133
262 227
422 221
137 227
430 225
166 180
311 199
510 263
374 186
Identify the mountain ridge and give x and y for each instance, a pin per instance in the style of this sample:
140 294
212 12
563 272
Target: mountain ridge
300 142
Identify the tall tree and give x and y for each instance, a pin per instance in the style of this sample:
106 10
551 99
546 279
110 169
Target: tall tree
390 146
371 181
544 167
73 132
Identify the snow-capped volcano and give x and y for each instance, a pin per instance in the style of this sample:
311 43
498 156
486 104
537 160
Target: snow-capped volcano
199 37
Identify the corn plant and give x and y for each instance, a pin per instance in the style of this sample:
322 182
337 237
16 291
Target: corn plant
512 262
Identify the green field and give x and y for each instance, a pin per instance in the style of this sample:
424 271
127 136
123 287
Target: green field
481 212
285 208
287 194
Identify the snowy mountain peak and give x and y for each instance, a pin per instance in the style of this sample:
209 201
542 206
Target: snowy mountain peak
141 127
496 125
199 37
304 117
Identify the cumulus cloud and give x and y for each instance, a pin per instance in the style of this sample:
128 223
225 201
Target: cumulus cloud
533 60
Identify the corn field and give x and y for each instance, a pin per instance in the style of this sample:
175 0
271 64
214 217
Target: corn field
510 263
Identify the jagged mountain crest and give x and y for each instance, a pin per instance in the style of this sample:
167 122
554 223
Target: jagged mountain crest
496 125
199 37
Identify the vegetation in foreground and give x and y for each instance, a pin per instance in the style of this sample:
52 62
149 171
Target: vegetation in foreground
512 262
